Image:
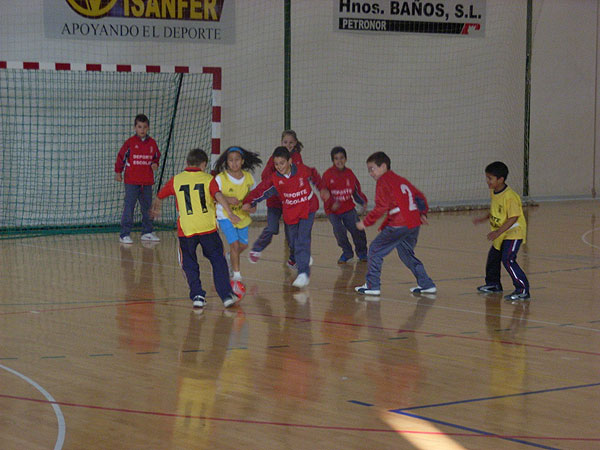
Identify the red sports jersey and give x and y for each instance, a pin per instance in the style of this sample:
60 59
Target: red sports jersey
136 157
402 202
275 201
298 198
344 188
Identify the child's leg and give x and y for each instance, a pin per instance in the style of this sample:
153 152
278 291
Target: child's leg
509 260
405 249
359 237
145 204
265 238
189 263
492 267
231 237
341 236
289 242
132 191
212 249
302 243
381 246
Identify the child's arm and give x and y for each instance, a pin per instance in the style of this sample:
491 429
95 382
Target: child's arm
121 161
167 190
358 195
263 191
219 197
504 227
481 219
215 191
317 181
382 198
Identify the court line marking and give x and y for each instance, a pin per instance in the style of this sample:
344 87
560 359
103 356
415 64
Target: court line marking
481 432
585 235
496 397
60 438
333 291
282 424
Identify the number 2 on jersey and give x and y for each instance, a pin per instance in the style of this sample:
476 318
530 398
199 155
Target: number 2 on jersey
406 190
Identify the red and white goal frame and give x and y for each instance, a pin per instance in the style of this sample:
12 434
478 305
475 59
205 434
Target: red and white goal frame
215 71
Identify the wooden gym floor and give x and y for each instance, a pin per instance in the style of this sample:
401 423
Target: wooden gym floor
100 347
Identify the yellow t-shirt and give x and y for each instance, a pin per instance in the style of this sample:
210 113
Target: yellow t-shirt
197 213
504 205
232 187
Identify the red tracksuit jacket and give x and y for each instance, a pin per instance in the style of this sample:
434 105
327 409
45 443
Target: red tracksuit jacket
297 197
400 200
275 201
344 188
136 157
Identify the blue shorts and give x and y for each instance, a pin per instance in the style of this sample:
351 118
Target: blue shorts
232 233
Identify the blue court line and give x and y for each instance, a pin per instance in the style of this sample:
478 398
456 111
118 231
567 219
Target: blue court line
458 402
474 430
360 403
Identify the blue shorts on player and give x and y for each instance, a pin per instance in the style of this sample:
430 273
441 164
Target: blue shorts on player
232 233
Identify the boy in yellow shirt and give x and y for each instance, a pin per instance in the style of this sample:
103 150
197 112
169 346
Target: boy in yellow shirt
509 231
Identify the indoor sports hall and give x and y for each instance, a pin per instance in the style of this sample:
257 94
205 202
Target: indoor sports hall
100 347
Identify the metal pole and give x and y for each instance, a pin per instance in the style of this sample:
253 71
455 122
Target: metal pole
287 62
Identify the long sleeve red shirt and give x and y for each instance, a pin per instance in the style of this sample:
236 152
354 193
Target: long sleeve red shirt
275 201
297 197
400 200
136 158
344 188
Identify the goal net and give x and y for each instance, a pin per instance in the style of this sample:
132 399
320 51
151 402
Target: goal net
60 131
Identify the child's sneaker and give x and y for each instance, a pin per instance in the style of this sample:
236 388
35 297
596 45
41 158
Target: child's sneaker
490 288
291 264
364 289
253 256
126 240
363 258
150 237
301 281
518 294
420 290
198 302
230 301
345 259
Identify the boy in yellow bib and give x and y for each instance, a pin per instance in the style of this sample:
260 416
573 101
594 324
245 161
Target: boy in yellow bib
509 231
234 180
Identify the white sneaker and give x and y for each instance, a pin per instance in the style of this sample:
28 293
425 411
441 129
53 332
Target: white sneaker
198 302
420 290
126 240
150 237
229 301
364 289
301 281
253 256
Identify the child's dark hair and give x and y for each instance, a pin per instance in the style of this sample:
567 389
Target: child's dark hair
497 169
336 150
251 159
197 157
281 152
380 158
293 134
141 118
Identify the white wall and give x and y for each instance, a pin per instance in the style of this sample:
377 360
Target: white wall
563 98
440 114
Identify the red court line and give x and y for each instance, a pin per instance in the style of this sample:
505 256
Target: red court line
285 424
329 322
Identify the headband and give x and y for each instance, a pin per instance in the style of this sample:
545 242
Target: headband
236 149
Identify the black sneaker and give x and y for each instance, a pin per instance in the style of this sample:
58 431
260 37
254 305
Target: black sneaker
490 288
517 295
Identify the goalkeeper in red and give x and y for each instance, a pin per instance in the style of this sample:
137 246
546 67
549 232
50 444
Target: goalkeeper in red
406 208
